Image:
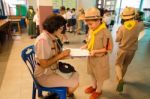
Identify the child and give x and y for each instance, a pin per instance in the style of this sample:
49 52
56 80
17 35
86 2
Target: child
99 43
29 21
65 37
127 38
37 21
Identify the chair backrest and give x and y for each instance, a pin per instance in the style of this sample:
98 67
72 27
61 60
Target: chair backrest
28 56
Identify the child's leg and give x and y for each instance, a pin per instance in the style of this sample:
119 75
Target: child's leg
99 86
94 82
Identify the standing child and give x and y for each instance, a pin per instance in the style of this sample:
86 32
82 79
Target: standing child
127 38
64 35
29 20
36 19
99 44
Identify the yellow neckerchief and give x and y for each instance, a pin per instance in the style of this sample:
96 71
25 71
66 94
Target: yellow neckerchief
129 24
92 35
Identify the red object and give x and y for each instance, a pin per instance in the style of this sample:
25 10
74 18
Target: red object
89 90
95 95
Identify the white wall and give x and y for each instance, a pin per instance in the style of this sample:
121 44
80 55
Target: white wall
146 4
86 4
44 2
131 3
33 3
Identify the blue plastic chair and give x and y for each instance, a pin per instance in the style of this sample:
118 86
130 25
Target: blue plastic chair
28 56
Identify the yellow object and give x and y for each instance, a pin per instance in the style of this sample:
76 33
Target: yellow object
92 35
129 24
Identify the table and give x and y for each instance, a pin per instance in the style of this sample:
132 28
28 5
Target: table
15 21
4 30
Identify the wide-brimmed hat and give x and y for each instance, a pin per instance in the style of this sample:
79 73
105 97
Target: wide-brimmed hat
92 13
128 13
81 9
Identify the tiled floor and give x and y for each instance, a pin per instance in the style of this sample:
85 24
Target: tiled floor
16 83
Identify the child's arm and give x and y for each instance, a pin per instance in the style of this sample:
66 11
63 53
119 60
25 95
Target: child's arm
84 46
98 51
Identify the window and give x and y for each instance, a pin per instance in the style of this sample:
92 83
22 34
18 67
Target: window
110 5
2 13
106 4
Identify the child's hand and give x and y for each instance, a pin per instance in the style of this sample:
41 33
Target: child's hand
92 53
83 47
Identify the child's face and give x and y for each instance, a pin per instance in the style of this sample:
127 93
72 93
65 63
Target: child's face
93 24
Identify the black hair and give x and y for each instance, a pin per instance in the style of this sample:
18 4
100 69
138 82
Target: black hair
31 7
53 22
73 9
139 16
62 8
124 20
68 9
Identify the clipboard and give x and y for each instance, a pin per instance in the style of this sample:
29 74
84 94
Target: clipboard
77 52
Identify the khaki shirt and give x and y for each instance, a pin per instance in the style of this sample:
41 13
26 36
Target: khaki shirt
128 39
98 65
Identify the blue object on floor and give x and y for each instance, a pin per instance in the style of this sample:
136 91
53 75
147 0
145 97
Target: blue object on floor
22 22
28 56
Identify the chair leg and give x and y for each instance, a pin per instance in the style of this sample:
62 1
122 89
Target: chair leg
34 92
40 93
62 94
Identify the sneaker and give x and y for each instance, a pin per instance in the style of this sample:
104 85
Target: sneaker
120 86
70 95
95 95
51 96
32 37
89 90
66 42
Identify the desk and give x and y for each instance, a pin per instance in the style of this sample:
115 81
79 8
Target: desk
4 30
2 22
16 21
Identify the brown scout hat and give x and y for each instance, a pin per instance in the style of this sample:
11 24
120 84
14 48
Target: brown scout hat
92 13
128 13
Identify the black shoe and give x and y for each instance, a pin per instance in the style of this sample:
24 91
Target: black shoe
79 34
32 37
70 31
51 96
71 96
66 42
120 86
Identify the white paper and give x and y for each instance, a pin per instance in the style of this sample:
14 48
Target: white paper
77 52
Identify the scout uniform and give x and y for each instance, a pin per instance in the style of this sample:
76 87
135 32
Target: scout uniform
99 38
45 48
98 65
31 24
127 38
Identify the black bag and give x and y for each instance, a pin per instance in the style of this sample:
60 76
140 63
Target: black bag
65 67
52 96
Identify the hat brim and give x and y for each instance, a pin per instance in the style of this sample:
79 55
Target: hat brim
127 17
90 18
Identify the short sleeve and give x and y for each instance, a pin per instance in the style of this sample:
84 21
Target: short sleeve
43 49
118 35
